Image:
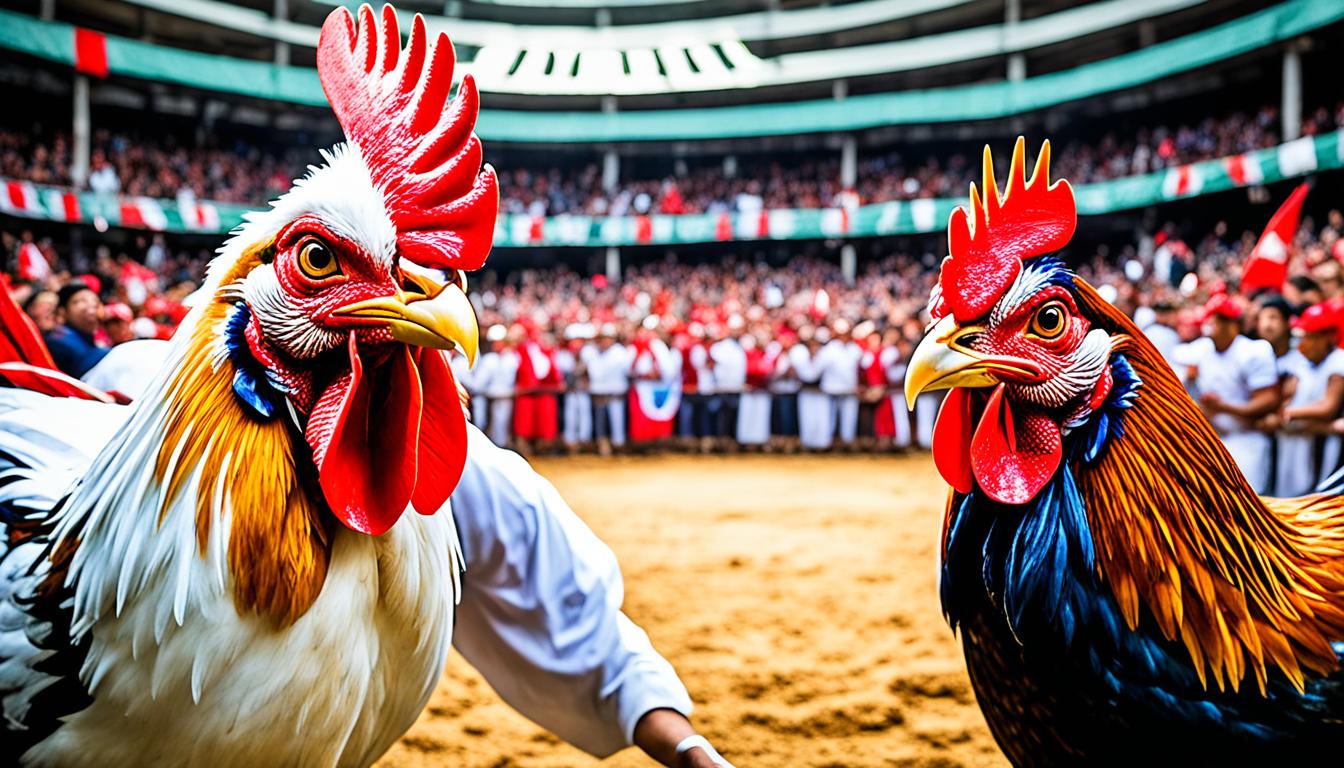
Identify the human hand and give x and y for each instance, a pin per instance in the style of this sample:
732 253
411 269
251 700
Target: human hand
1211 402
697 752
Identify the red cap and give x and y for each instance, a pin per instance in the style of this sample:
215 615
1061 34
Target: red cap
1223 305
1317 318
119 311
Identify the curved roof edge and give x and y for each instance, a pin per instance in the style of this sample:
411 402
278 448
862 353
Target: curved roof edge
132 58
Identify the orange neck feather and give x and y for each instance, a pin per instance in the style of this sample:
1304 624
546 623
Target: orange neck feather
279 540
1245 583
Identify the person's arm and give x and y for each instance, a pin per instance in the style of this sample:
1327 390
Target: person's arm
540 616
1326 408
1261 402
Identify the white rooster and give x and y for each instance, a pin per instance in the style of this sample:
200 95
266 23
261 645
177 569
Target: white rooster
236 577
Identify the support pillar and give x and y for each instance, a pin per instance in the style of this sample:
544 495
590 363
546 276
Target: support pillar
48 10
81 130
849 262
1291 107
849 162
611 170
613 263
1017 62
280 10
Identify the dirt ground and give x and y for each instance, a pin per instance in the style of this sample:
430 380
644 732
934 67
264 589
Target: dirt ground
795 595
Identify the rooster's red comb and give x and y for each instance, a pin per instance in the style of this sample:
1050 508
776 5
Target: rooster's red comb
985 254
424 158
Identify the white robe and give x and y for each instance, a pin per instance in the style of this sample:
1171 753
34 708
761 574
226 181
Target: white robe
838 366
498 379
1297 473
753 417
1233 374
609 375
926 414
578 404
815 418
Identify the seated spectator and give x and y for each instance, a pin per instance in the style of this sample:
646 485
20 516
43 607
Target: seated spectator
41 307
117 319
71 341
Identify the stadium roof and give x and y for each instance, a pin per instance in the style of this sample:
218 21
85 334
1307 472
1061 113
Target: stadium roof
706 54
976 101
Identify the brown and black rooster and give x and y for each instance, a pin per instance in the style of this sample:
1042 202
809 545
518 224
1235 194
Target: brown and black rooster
1123 596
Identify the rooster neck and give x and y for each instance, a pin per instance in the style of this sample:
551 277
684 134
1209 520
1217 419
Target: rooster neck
1245 584
196 484
279 541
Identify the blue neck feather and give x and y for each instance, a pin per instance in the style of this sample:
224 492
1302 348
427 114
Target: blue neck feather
254 385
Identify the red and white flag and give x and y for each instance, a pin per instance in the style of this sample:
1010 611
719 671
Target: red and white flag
1244 169
653 401
1181 181
143 213
1267 266
198 216
21 198
32 264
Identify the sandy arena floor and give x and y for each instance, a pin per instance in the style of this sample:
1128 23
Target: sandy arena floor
796 597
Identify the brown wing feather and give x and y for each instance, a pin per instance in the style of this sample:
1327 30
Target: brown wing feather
1245 583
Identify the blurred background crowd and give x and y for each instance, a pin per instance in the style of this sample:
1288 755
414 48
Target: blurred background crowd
744 355
248 170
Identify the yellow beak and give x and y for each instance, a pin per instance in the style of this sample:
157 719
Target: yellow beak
938 364
426 314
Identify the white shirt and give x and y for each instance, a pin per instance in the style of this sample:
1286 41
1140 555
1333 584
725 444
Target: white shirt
1166 339
104 181
1245 366
838 362
565 362
498 373
1312 379
730 365
704 375
892 365
800 359
608 370
462 372
784 381
541 616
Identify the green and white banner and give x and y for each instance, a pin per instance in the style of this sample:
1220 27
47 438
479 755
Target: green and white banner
1302 156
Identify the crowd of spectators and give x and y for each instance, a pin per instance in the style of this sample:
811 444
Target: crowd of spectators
244 172
737 354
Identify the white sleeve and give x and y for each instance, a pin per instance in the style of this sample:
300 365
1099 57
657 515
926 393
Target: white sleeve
1262 369
541 616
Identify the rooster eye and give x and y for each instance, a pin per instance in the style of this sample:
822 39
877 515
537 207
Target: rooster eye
1049 321
316 261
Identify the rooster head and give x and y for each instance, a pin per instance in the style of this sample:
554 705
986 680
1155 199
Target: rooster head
345 295
1025 364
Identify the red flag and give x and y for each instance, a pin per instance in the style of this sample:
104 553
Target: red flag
90 52
723 229
643 229
1267 266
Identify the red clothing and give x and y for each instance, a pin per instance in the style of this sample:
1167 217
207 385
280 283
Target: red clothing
875 375
690 378
760 366
535 416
